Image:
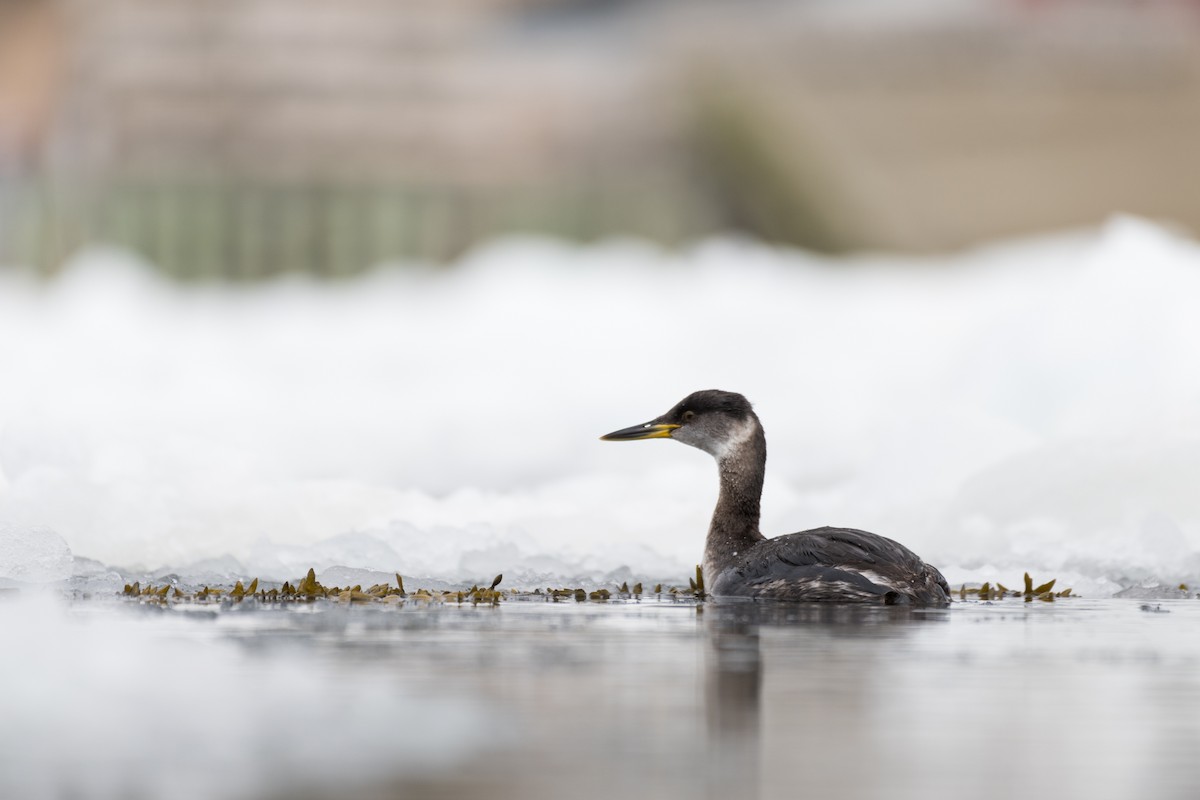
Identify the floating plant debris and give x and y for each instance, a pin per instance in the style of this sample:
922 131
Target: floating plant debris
1044 592
308 589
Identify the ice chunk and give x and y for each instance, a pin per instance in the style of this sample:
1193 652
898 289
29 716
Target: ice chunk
33 554
349 576
1152 589
217 571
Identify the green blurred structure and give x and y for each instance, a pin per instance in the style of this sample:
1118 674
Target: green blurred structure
228 230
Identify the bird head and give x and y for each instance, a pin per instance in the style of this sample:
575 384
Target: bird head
714 421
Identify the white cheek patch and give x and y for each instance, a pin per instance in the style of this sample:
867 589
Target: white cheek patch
739 436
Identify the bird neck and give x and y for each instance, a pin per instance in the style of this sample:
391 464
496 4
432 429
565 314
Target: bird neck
734 525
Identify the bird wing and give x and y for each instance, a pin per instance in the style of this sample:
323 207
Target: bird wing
807 564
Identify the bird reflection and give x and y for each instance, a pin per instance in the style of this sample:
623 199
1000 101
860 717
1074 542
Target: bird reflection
733 693
735 671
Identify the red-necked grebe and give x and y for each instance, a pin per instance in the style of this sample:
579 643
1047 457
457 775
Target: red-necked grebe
825 564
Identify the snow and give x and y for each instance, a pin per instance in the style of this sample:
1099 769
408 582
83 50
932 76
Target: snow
1027 406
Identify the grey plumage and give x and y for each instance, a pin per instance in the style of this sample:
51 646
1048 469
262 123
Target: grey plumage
824 564
832 564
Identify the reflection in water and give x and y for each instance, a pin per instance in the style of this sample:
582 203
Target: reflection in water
733 692
735 672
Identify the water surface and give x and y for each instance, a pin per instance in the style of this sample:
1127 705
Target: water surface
1077 698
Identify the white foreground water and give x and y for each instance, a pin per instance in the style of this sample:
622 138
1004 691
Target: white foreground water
1028 406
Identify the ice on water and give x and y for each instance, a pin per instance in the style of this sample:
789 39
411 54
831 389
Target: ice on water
1028 406
33 554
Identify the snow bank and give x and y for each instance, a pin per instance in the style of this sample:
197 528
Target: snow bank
1028 406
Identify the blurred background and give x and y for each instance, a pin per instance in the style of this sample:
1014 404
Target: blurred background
242 139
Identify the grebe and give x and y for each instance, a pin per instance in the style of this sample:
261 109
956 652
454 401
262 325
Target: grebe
824 564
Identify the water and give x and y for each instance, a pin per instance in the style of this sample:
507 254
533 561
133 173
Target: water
1079 698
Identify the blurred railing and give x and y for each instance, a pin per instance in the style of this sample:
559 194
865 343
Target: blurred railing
205 230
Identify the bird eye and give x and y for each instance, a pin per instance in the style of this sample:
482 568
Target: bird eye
687 415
